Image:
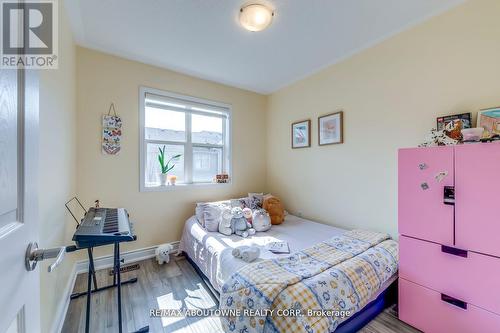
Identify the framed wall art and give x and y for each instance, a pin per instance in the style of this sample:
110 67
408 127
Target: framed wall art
301 134
330 128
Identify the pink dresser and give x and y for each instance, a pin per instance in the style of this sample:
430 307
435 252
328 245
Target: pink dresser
449 244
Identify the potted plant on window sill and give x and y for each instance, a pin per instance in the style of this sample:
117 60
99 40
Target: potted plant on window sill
165 167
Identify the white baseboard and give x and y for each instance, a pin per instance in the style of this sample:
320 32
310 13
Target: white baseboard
82 266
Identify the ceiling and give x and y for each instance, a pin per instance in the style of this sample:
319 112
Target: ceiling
203 38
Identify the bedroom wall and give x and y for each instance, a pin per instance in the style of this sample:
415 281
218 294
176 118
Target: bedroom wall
391 95
57 171
158 216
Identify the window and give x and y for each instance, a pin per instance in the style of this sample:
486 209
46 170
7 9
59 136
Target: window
193 128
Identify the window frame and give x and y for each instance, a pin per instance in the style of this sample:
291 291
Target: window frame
225 109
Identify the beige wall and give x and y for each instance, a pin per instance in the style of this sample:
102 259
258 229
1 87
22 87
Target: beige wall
57 169
158 216
391 95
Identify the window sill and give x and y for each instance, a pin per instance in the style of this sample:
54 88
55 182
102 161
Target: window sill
179 187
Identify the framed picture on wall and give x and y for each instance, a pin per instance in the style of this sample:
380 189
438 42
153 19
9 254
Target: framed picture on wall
330 128
301 134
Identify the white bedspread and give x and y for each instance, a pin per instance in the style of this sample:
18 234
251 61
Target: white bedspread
211 251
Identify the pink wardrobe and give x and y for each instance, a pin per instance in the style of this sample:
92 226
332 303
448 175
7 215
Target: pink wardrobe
449 226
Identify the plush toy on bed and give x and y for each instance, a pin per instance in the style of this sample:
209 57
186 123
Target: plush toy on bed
239 223
275 209
247 213
261 221
225 222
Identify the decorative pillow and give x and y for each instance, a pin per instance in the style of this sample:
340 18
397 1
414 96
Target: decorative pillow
212 216
255 200
241 203
202 206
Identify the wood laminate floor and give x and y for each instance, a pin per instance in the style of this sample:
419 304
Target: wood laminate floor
174 286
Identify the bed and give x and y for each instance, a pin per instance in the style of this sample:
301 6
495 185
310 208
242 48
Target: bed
210 253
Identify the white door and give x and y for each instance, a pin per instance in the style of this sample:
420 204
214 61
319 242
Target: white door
19 288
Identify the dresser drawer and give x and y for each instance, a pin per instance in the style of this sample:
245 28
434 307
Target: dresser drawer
468 276
426 310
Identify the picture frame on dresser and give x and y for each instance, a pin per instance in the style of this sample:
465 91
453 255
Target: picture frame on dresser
331 128
301 134
489 120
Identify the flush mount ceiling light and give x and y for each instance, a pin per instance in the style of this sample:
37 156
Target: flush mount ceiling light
256 17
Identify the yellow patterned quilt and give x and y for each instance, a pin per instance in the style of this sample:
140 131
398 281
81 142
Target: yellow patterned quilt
310 291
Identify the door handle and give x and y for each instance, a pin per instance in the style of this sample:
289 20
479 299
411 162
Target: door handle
34 255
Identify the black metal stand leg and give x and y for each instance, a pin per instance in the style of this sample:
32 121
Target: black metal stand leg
117 272
89 290
93 269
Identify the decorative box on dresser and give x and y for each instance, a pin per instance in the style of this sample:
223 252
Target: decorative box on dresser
449 244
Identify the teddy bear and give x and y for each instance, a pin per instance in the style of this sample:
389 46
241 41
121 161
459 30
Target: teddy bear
275 209
225 222
261 220
163 253
239 225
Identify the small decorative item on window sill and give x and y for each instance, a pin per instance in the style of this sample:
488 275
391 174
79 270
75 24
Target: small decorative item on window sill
172 179
222 178
166 167
111 132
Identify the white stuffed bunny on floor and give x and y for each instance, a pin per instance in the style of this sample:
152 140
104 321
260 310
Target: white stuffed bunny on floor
163 253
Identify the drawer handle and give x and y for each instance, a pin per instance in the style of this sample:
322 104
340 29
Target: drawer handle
454 301
454 251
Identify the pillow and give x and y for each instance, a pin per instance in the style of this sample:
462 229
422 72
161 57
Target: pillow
255 200
241 203
202 206
212 216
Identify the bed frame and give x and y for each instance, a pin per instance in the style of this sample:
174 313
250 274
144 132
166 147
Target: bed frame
386 298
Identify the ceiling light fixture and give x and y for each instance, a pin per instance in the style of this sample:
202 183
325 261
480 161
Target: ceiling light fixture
256 17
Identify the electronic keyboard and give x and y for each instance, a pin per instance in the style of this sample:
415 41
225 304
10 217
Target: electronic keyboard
104 226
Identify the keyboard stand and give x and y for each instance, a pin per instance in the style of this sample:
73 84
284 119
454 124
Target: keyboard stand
116 283
94 279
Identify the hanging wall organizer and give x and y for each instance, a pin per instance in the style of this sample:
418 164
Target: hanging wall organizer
111 132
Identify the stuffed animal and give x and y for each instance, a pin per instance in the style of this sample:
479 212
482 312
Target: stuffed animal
247 214
454 130
246 253
163 253
438 138
239 224
225 222
275 209
261 220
